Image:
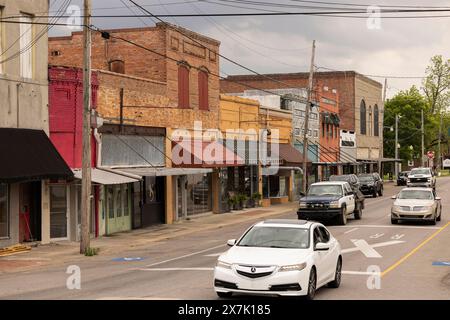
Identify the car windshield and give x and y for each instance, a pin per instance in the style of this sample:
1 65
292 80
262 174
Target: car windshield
339 178
420 171
276 237
416 194
323 190
366 178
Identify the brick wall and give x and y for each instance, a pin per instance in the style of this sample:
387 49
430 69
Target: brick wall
174 42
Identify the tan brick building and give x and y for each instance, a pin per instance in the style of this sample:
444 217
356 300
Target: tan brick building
360 97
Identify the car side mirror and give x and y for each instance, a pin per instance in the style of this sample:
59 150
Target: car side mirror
394 197
322 246
302 194
231 242
438 198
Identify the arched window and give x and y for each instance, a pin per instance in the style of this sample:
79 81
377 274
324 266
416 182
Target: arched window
376 125
183 86
203 91
362 117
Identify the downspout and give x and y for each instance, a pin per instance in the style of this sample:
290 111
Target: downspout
18 85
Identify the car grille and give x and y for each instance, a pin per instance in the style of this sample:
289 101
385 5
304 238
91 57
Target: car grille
318 205
254 275
225 284
418 208
405 208
418 179
286 287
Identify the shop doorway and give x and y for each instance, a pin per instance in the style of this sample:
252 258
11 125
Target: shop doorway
30 212
153 207
59 212
118 208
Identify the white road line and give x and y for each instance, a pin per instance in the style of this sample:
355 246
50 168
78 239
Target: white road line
185 256
361 273
213 254
351 230
174 269
387 226
361 247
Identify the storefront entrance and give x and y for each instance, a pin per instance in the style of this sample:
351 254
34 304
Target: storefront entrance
118 209
30 212
59 216
194 194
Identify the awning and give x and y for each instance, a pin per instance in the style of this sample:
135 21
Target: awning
28 154
163 172
203 154
290 156
105 177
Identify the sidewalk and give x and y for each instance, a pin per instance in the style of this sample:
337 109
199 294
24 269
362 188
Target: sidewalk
65 251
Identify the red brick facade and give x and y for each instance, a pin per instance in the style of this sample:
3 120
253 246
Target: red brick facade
195 51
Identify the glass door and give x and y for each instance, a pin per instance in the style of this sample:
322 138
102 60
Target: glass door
58 212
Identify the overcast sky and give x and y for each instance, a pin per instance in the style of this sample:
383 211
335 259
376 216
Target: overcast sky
402 47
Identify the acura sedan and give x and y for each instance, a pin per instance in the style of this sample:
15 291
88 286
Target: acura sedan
281 258
418 204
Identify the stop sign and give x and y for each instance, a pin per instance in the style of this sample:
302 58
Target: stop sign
430 154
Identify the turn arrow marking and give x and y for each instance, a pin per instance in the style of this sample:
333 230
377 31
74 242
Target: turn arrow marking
368 249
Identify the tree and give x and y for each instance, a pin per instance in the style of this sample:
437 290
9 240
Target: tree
436 85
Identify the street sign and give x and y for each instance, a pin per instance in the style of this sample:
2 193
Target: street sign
430 154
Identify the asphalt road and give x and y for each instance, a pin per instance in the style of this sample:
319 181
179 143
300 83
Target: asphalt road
182 268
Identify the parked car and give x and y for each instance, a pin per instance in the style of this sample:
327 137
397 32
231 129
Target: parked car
371 184
417 204
421 177
402 178
282 258
353 181
328 201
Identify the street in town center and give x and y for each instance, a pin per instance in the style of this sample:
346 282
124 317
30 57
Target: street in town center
411 259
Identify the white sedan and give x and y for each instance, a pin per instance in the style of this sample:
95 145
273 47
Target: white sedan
282 258
416 204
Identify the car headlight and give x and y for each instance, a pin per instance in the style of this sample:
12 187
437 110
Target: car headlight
222 264
293 267
429 179
303 204
334 204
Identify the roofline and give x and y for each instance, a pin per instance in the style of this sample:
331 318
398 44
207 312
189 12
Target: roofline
296 75
159 25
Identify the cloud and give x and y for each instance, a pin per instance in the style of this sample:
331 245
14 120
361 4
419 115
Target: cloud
269 44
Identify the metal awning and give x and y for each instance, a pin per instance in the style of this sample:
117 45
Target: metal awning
162 172
105 177
29 155
380 159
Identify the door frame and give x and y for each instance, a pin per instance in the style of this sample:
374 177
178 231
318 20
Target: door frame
67 237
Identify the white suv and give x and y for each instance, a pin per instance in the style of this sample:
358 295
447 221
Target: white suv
421 177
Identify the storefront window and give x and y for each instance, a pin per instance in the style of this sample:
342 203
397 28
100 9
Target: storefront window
4 228
199 194
110 201
118 195
58 211
125 193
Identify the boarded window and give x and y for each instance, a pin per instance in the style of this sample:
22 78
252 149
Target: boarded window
203 101
362 120
117 66
183 87
376 126
26 56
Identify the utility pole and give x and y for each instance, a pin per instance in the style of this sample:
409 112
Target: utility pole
308 106
86 158
381 133
396 147
439 165
423 141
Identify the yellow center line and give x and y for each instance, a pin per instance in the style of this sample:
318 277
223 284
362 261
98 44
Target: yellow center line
395 265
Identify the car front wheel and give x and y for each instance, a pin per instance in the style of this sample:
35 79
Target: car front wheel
312 282
342 218
338 275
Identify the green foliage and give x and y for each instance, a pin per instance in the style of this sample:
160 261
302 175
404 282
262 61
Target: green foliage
256 196
90 252
436 85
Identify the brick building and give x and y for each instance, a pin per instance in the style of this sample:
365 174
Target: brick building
360 108
145 96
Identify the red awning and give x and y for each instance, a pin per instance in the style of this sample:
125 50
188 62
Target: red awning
204 154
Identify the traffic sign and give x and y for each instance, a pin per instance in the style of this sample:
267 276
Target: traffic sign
430 154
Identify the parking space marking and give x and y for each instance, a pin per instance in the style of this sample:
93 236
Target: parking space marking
351 230
368 249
